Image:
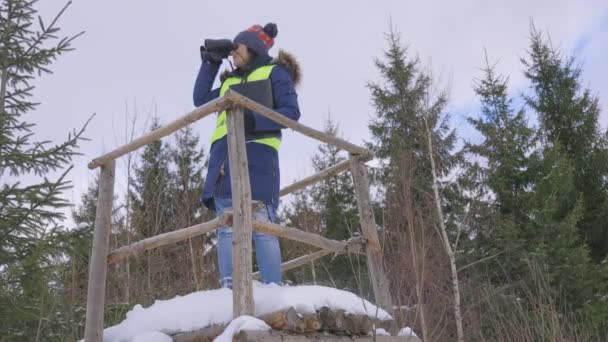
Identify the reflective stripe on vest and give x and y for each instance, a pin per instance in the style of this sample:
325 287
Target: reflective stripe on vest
221 129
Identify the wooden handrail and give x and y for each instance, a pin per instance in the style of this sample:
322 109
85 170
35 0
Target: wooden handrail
166 238
352 246
197 114
299 261
214 106
296 126
327 173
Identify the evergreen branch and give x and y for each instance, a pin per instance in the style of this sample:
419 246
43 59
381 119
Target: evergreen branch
45 32
53 189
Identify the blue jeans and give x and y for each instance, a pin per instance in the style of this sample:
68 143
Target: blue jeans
268 252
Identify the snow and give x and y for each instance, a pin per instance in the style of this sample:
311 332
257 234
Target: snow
198 310
407 331
152 336
242 323
382 332
83 225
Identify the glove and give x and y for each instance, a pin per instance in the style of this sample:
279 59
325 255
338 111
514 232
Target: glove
210 57
215 50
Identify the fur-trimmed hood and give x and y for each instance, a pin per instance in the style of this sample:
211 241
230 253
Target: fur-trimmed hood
289 62
284 59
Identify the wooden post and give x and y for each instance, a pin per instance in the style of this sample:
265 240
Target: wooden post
242 289
98 267
370 233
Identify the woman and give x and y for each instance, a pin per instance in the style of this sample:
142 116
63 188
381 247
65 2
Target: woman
262 136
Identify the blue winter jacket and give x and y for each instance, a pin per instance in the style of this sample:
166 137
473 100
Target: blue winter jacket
264 173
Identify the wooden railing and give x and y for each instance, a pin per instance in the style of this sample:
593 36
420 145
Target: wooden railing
240 217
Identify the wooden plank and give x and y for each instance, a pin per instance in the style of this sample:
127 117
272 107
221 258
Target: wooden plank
327 173
166 239
207 334
375 264
242 287
276 336
299 261
197 114
306 237
296 126
98 267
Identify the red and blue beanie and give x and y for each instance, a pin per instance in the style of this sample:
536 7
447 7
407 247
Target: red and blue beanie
259 39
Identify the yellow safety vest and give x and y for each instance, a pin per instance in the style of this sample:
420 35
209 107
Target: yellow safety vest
259 74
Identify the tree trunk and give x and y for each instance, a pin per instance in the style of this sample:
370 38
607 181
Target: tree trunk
446 241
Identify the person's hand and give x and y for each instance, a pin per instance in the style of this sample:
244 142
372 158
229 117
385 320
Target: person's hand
214 50
211 56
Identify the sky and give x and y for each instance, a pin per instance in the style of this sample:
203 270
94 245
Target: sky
143 56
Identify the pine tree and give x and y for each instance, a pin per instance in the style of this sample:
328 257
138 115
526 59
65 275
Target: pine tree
188 158
402 102
502 170
186 185
552 237
152 204
152 213
568 116
334 197
534 208
31 231
302 213
334 200
328 208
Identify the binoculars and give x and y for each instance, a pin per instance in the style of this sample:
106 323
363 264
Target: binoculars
215 50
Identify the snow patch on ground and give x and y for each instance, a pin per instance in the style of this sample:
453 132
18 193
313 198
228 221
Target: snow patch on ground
198 310
382 332
242 323
407 332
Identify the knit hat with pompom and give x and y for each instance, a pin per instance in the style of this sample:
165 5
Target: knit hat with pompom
259 39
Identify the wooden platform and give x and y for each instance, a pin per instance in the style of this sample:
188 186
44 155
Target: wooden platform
323 325
280 336
277 336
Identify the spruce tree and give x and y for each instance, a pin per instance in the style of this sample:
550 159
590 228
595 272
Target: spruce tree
186 185
303 214
188 158
328 208
31 221
534 207
334 200
334 197
151 203
152 213
403 100
568 116
502 170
